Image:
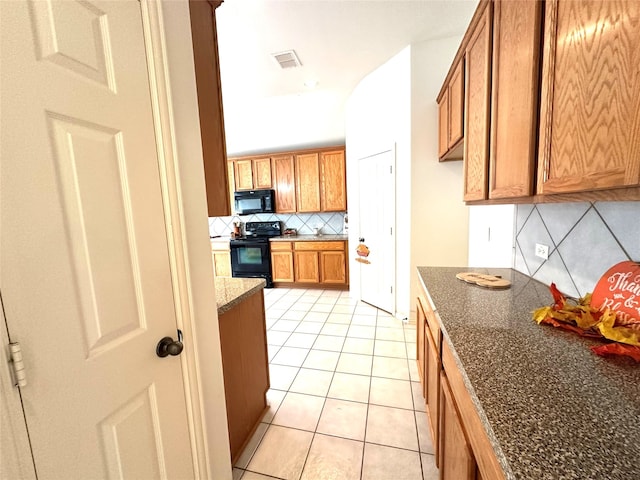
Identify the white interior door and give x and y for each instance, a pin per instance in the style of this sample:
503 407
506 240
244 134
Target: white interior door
85 276
377 209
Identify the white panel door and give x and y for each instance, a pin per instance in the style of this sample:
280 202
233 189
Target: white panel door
376 203
85 279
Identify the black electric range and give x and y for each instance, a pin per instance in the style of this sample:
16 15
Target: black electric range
251 253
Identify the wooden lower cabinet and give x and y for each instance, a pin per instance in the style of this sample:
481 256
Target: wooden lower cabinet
245 367
421 325
429 366
485 457
282 262
456 457
462 448
333 267
309 263
432 388
221 259
306 267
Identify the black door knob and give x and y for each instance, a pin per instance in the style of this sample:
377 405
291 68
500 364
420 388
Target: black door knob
169 346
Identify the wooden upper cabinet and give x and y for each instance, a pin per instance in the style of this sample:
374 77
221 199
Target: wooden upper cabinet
308 182
284 183
232 182
590 102
456 105
243 174
262 173
477 108
253 174
443 124
207 73
451 116
516 67
333 185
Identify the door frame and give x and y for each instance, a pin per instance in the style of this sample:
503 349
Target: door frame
185 211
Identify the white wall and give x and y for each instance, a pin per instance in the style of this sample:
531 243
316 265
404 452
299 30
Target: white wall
491 236
378 117
439 217
284 121
396 105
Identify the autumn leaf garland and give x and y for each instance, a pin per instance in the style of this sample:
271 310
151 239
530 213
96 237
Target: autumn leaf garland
587 321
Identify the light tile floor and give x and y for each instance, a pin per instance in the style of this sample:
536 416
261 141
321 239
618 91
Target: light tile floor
345 399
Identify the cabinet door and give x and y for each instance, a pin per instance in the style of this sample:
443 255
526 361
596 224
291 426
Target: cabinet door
456 457
432 384
516 53
333 267
590 108
243 174
207 73
333 193
284 183
306 266
308 182
477 103
421 326
443 124
282 266
222 264
262 173
456 105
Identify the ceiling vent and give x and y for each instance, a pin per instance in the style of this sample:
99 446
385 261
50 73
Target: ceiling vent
287 59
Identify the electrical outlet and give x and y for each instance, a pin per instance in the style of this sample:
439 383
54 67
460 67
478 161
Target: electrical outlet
542 251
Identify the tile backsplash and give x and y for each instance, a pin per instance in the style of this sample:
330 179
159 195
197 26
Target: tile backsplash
330 223
584 240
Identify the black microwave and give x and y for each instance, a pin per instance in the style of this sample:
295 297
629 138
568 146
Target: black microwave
254 201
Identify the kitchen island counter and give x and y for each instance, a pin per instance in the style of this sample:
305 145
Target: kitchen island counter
231 291
550 407
245 363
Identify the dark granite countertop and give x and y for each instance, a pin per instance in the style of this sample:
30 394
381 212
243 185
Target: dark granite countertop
552 408
230 291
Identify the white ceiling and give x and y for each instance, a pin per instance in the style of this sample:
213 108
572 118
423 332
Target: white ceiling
338 43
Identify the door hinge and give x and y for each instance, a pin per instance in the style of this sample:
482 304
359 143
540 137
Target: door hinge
390 230
391 288
390 168
19 375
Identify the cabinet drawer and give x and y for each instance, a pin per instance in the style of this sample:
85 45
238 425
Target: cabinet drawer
219 246
333 245
280 246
